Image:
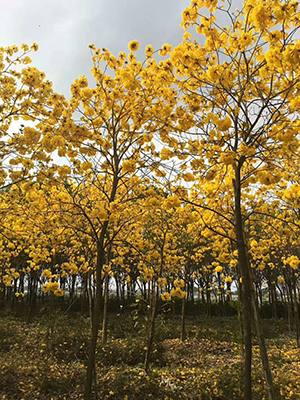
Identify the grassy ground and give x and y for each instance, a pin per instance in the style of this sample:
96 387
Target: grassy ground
46 359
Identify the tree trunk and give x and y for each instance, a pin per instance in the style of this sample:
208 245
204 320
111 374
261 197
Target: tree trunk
191 286
208 303
183 329
152 326
274 300
290 306
2 293
245 284
84 293
90 296
72 289
104 322
95 321
248 297
32 296
98 300
296 312
263 349
117 288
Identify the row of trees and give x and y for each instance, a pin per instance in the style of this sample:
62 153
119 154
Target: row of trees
170 172
46 239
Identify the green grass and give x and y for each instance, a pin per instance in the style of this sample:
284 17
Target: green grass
46 359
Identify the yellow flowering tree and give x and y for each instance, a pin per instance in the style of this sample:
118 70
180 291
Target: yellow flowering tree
25 95
26 106
105 132
240 90
153 246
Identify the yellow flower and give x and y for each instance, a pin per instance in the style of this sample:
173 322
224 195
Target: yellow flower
166 48
53 286
24 47
129 166
224 124
166 297
47 273
172 201
45 288
245 39
149 51
106 268
59 292
133 45
177 292
293 261
35 46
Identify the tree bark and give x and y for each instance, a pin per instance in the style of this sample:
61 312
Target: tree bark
183 329
95 321
183 310
98 300
296 312
104 322
245 283
154 304
249 297
263 349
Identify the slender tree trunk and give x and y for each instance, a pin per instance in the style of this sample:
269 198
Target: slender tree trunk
290 306
13 299
21 284
104 322
183 328
90 296
260 296
84 293
154 293
296 312
274 300
98 300
208 303
72 291
202 296
183 309
106 290
245 284
2 293
263 349
117 288
32 296
191 286
249 298
149 293
122 290
95 321
154 304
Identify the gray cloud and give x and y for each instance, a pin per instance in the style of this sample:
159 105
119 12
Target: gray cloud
64 29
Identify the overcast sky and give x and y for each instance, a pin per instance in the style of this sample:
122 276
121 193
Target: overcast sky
64 29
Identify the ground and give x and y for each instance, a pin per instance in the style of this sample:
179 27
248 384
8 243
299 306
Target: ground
45 359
